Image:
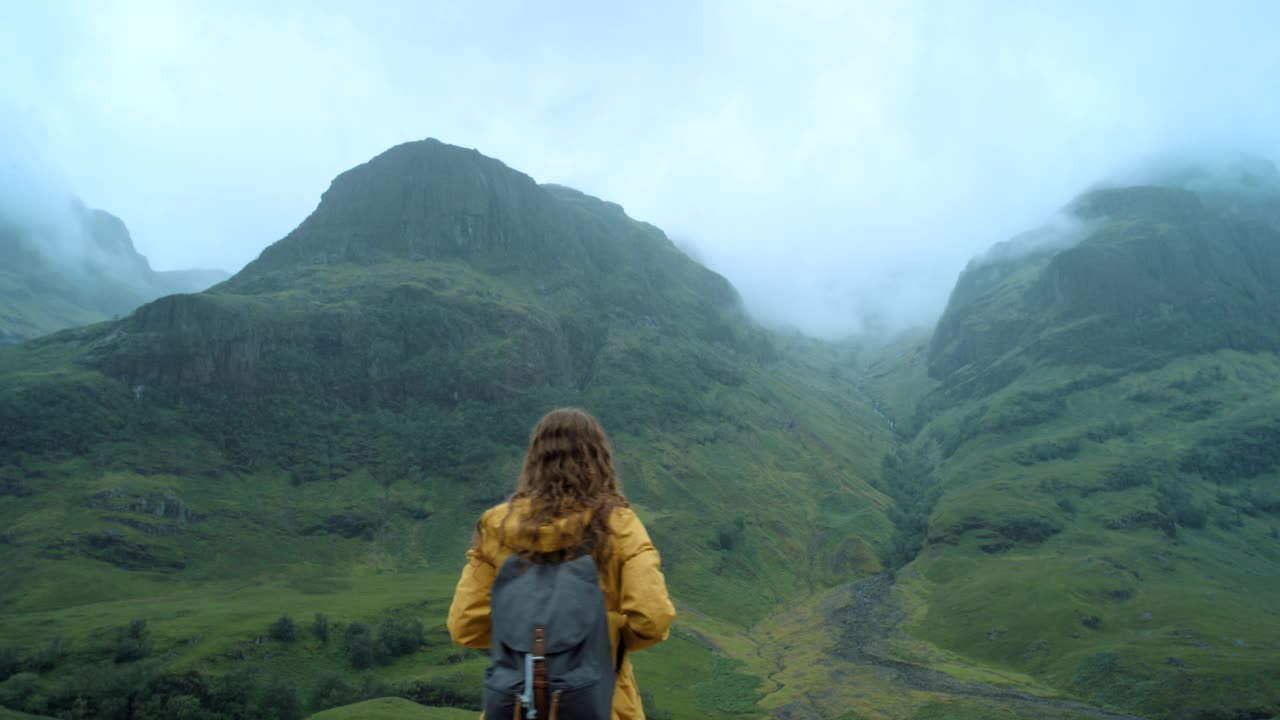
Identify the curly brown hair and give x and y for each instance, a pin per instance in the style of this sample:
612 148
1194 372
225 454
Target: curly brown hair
568 474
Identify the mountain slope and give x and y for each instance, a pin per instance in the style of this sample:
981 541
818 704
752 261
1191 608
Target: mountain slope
75 267
319 433
1074 479
1101 428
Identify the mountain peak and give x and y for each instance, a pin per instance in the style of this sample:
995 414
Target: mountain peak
1150 202
422 200
1151 273
1234 184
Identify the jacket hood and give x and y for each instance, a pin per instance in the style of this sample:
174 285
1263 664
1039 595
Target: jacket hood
564 533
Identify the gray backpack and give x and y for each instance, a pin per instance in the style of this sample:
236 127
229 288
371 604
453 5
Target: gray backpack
550 658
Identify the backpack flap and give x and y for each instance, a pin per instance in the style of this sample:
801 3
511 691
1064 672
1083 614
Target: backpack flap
563 598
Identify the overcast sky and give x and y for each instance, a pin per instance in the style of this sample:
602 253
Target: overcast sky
839 162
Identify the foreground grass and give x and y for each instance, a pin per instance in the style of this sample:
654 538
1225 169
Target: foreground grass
392 709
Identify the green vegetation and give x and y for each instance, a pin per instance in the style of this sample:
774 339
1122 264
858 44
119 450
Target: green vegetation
132 642
320 627
392 709
1072 483
910 483
283 630
728 691
1102 521
316 440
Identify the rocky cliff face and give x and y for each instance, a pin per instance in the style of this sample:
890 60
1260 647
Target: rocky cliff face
1150 273
436 274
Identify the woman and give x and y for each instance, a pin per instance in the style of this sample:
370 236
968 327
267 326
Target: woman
568 498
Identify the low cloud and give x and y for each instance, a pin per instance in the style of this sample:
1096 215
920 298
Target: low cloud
839 162
33 202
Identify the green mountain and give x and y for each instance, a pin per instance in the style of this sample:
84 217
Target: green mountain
319 434
1061 503
1097 448
74 266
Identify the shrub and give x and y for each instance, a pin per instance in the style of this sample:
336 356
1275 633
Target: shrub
18 690
1204 378
332 690
132 642
910 482
1229 519
728 536
51 656
1262 501
233 692
10 663
1028 530
1174 502
1237 454
171 707
396 637
434 693
320 626
360 649
1109 429
399 636
372 686
1038 452
1121 594
1026 410
1194 410
1123 477
279 701
283 630
1067 505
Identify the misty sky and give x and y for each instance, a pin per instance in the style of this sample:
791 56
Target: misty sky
838 161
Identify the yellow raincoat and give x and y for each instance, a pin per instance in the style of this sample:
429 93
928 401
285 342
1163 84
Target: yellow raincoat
635 593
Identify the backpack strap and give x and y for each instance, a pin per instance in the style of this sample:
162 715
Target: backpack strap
540 670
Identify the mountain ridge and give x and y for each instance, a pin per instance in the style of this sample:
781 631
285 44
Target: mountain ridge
1155 264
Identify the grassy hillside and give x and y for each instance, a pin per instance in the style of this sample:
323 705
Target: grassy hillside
1064 503
210 557
1089 546
318 435
1102 502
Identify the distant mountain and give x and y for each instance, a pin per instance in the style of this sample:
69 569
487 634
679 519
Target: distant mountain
1096 458
76 267
1133 276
